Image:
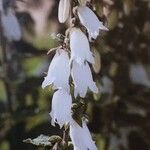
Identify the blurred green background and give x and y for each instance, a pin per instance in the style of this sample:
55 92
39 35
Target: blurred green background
119 116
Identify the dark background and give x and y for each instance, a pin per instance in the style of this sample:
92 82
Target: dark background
119 116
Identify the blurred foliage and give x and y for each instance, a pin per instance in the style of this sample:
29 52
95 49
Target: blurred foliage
119 116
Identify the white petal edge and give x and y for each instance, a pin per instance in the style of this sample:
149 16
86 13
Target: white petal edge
81 137
90 21
82 79
80 48
61 108
59 71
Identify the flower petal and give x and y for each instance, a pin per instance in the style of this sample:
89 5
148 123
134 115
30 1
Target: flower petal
82 78
61 108
81 137
63 10
59 71
80 49
90 21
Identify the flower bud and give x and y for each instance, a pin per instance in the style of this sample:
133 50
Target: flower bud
63 10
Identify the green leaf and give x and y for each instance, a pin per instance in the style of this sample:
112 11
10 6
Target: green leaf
41 140
79 110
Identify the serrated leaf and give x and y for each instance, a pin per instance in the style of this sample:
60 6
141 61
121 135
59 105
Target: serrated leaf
41 140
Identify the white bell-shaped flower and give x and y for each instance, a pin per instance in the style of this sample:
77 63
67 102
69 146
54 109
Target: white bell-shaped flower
80 48
10 25
59 71
90 21
81 137
61 108
82 78
63 10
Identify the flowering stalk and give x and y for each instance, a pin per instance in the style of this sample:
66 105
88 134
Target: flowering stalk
72 59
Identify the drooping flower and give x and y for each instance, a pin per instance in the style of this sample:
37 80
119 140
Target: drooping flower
90 21
82 78
10 25
63 10
79 45
61 108
81 137
59 71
